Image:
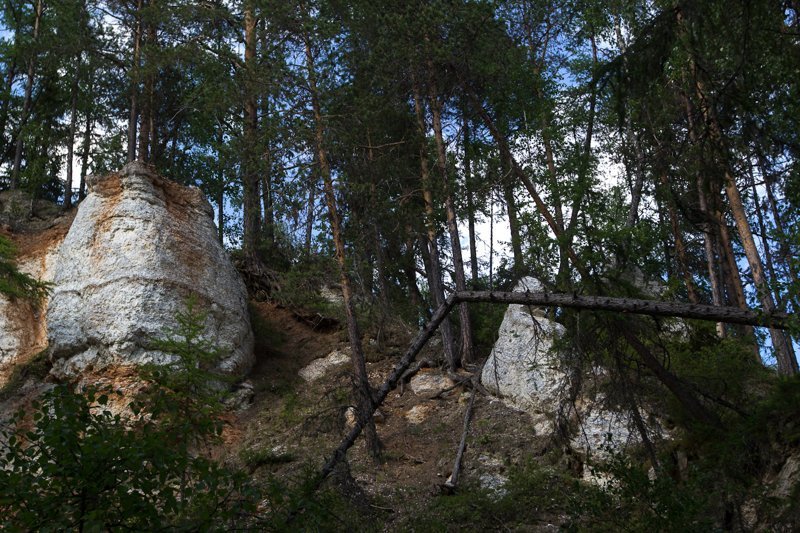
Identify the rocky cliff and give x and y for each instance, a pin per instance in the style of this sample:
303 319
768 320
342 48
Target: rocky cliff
139 246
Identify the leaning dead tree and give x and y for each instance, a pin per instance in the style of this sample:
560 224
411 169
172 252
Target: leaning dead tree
732 315
714 313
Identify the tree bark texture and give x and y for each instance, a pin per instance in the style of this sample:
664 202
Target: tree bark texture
26 104
250 182
133 116
430 246
467 348
361 384
73 121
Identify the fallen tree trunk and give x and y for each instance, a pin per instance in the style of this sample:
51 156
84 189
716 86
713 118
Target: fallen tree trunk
452 482
714 313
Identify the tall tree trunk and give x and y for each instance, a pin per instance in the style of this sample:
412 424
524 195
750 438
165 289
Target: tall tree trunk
133 116
762 227
787 363
11 74
431 246
146 113
467 348
152 95
770 264
632 141
680 245
26 103
267 199
360 379
584 173
710 242
72 126
87 140
250 181
710 247
469 184
491 239
541 49
517 171
409 268
220 199
310 207
783 254
513 223
380 253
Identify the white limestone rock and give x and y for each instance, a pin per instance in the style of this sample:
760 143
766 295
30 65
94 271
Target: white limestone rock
419 413
526 373
319 367
522 369
139 247
23 330
430 383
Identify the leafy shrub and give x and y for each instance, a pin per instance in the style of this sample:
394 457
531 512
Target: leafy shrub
185 394
77 465
82 467
16 284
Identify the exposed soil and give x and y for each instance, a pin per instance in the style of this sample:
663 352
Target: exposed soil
35 243
293 424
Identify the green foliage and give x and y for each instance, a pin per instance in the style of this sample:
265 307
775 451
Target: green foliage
300 286
533 495
81 464
722 368
486 320
298 505
726 471
83 467
16 284
631 500
186 392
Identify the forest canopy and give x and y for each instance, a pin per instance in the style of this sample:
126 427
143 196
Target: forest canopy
623 142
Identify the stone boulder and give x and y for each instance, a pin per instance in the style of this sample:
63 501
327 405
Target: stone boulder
521 369
319 367
140 246
526 373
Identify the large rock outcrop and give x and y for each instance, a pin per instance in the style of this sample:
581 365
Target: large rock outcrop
139 247
526 372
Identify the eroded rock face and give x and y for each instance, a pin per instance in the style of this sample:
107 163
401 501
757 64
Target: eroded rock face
140 246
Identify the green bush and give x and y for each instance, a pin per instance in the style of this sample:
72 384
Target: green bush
16 284
186 394
82 467
78 465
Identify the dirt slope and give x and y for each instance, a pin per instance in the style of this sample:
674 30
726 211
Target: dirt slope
293 424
